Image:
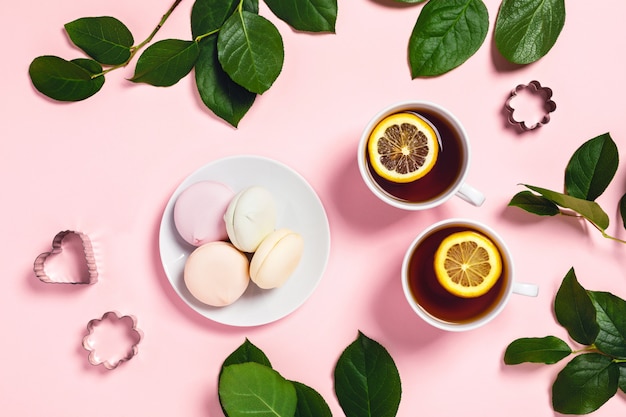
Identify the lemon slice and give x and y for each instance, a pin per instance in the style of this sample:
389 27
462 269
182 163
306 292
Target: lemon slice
467 264
403 147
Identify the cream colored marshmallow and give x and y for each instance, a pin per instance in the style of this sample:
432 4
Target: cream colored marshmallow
276 258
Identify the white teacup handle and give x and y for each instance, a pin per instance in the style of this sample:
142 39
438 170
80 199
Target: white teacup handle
471 195
530 290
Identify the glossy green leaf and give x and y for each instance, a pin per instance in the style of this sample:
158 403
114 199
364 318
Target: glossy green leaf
574 310
209 15
253 389
548 350
622 377
591 168
447 33
250 50
91 66
588 209
247 352
534 203
65 80
166 62
526 30
306 15
585 384
611 318
227 99
105 39
310 402
251 6
367 382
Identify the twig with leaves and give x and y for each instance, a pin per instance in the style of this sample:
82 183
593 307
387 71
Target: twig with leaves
235 52
587 175
596 320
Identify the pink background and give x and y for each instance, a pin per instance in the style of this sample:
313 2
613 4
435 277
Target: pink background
108 165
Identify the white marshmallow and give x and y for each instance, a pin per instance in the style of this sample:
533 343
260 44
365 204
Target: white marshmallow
250 217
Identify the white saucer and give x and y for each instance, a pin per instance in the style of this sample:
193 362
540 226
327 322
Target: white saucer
299 209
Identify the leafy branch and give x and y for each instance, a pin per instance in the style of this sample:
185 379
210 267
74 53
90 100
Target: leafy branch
235 53
367 383
589 172
448 32
593 375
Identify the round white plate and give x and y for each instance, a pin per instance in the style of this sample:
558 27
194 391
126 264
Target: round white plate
299 209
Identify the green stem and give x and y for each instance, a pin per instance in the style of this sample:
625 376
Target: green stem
604 233
591 348
158 27
206 35
612 237
135 49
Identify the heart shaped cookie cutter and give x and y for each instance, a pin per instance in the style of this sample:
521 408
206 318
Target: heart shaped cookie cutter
88 272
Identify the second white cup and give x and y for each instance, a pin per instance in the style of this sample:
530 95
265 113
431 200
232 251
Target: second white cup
433 303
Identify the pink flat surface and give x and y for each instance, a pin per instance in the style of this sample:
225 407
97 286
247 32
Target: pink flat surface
107 166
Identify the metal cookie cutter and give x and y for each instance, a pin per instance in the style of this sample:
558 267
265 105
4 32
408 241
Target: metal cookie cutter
82 271
533 88
112 340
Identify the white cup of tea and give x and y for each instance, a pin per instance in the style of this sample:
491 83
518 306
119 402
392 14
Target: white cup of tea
436 305
444 180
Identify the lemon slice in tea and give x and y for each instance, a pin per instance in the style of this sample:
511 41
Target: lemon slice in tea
467 264
403 147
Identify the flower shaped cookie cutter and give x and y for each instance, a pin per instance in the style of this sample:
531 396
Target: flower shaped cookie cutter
71 260
529 95
112 340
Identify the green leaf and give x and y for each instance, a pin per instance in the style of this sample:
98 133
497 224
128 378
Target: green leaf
588 209
585 384
611 318
447 33
367 382
306 15
622 209
250 49
622 377
218 92
526 30
575 311
253 389
209 15
251 6
91 66
166 62
534 203
591 168
65 80
105 39
247 352
310 402
548 350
